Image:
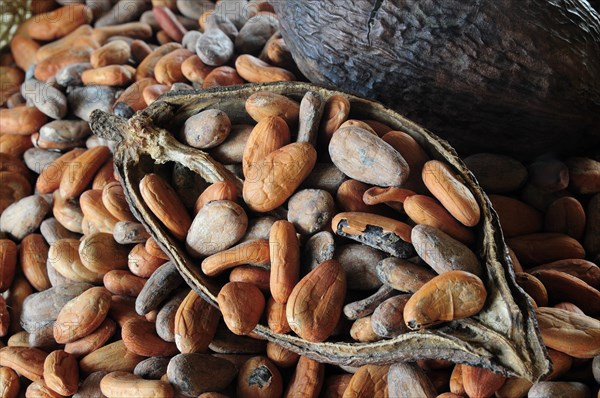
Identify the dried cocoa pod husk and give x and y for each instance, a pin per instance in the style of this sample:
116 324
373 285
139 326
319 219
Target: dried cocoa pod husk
506 323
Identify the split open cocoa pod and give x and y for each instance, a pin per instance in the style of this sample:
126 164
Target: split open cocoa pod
504 336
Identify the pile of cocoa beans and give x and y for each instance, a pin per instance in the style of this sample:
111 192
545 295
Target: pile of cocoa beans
376 239
549 209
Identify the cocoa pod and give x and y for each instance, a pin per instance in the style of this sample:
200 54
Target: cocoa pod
175 108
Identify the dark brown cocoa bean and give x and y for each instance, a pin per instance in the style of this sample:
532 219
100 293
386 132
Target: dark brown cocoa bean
165 319
387 320
152 368
366 306
194 374
158 287
319 247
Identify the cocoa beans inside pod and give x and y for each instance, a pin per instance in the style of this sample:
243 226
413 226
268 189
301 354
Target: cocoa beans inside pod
502 337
